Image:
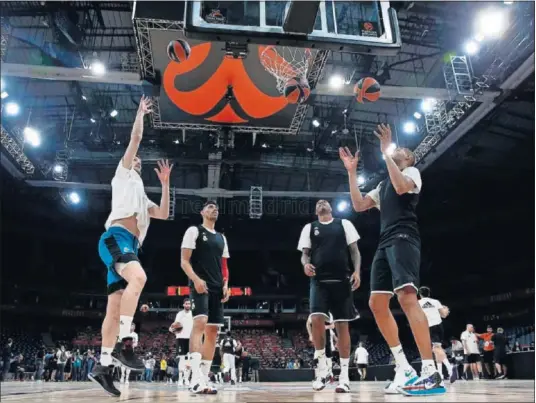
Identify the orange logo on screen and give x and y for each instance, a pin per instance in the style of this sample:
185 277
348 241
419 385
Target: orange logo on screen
368 26
202 100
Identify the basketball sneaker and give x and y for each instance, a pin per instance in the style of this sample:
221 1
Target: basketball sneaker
124 354
343 386
321 373
104 377
429 383
403 376
453 377
198 388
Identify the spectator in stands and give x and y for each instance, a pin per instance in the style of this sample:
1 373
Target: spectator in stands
6 358
91 361
17 368
246 363
499 357
163 368
517 347
50 365
76 364
149 363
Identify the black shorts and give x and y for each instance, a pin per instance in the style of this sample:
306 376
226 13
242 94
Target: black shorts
183 346
208 305
436 334
328 350
488 356
395 266
335 297
361 366
472 358
499 357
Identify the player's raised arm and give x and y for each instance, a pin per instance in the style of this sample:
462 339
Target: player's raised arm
137 132
163 172
350 161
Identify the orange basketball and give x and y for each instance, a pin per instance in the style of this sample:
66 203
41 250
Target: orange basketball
144 308
297 91
178 50
367 90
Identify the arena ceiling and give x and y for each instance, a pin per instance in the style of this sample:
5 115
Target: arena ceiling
492 129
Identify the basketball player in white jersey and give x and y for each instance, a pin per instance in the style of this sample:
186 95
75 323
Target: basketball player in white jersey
228 346
126 228
125 372
435 311
182 328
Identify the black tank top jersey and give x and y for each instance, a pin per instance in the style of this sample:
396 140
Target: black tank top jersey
228 345
206 258
398 217
329 251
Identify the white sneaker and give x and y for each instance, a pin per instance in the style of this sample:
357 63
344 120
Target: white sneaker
321 374
343 386
198 388
122 380
402 377
127 382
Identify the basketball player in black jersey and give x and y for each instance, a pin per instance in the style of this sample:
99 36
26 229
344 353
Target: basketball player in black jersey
395 268
204 252
326 246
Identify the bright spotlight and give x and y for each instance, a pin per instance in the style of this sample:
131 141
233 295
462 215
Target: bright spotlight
471 48
479 37
2 84
336 81
360 180
12 108
4 94
508 3
74 197
92 120
409 127
491 23
32 136
428 105
417 115
98 69
316 123
113 113
343 205
58 168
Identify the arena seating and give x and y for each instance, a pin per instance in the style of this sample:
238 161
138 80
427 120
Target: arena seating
24 342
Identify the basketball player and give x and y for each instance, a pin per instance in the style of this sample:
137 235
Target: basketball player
330 334
182 328
126 228
204 254
125 372
471 351
228 348
435 311
395 268
361 360
325 245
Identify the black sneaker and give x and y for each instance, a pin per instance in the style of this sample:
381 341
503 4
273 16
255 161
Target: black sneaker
124 354
103 376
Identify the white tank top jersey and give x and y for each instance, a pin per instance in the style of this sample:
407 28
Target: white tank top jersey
135 339
187 322
431 308
471 341
129 198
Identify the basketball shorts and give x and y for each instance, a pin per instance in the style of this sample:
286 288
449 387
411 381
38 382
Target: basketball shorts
208 305
488 356
436 334
183 346
117 245
395 266
472 358
361 366
499 356
328 344
335 297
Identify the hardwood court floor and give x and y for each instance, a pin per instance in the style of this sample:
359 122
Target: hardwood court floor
461 391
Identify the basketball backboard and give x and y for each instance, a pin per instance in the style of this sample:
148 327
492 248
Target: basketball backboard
345 26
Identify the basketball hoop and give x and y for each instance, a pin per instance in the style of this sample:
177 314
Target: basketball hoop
285 63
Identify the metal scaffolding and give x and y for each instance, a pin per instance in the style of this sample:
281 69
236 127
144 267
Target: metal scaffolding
255 202
16 151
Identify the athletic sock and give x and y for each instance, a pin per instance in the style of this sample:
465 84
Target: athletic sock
124 326
400 357
428 367
195 363
106 356
448 365
345 363
205 368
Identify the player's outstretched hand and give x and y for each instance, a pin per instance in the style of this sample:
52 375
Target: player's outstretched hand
163 171
348 159
145 106
309 270
385 137
355 280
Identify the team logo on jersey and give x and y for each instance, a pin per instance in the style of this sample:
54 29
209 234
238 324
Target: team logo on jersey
316 231
205 237
427 305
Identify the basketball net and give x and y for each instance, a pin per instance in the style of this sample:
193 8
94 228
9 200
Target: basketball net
284 63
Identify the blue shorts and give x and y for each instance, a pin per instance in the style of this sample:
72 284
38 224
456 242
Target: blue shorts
117 245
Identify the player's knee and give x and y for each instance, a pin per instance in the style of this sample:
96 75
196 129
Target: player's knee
407 298
318 320
379 304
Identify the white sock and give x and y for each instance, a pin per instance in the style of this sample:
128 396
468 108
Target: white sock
448 365
195 363
345 363
106 356
428 366
205 368
124 326
400 357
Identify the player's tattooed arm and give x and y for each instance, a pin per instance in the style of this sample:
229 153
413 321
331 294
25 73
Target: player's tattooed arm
308 268
356 260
